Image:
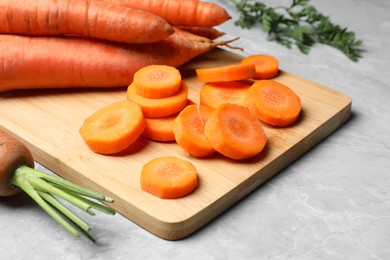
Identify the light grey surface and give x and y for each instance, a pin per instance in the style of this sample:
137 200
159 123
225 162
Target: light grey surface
332 203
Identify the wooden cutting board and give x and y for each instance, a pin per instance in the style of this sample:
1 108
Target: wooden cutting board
48 122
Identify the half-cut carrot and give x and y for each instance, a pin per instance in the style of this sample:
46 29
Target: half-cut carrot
188 128
160 128
157 81
159 107
234 132
169 177
226 73
266 66
113 128
217 93
273 103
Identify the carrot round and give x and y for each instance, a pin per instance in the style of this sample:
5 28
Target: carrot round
169 177
17 173
234 132
87 18
157 81
113 128
217 93
53 62
273 103
188 129
181 12
13 154
266 66
226 73
160 128
159 107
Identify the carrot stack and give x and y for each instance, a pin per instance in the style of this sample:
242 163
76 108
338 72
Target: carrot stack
66 43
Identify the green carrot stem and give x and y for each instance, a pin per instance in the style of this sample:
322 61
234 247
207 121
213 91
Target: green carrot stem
65 211
91 203
23 183
45 186
64 183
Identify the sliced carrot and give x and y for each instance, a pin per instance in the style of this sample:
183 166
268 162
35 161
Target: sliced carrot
188 128
113 128
233 72
266 66
234 132
159 107
217 93
160 128
169 177
273 103
157 81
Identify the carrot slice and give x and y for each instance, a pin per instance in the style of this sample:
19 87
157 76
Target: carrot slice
188 129
160 107
160 128
266 66
217 93
273 103
233 72
169 177
157 81
234 132
113 128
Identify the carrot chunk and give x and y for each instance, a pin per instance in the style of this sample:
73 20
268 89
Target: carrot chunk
188 128
266 66
157 81
159 107
113 128
169 177
233 72
217 93
273 103
234 132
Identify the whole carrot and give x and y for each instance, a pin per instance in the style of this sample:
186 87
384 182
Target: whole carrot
89 18
181 12
54 62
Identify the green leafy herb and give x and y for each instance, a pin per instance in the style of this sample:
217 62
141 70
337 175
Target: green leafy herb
299 24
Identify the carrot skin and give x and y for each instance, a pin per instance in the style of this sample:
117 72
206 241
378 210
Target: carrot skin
181 12
211 33
13 154
69 62
87 18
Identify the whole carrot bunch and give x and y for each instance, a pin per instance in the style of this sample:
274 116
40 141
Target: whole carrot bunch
99 43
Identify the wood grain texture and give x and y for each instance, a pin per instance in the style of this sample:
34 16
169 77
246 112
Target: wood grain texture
48 122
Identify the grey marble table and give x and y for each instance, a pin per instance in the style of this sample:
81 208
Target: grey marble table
332 203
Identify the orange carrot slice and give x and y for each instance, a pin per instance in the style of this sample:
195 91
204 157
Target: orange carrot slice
160 128
217 93
160 107
233 72
113 128
188 129
169 177
266 66
273 103
157 81
234 132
